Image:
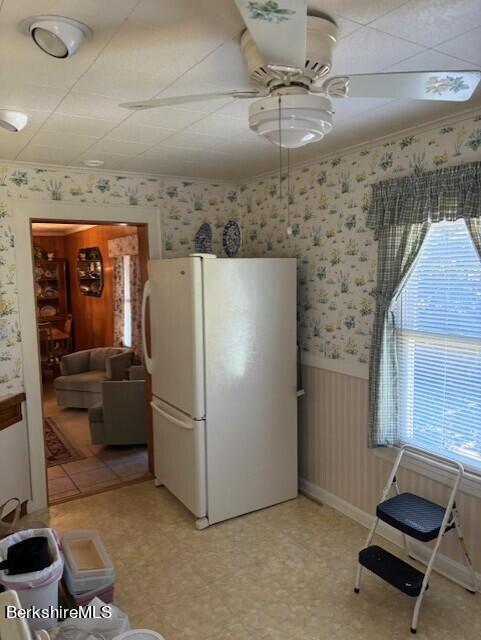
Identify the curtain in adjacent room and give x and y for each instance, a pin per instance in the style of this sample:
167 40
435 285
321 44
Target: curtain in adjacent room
118 294
118 249
400 214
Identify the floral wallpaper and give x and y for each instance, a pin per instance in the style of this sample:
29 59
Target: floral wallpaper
184 206
336 253
328 200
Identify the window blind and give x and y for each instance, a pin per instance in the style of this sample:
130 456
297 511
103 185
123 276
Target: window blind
438 323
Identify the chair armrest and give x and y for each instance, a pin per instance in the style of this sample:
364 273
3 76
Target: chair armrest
116 366
137 372
77 362
96 412
124 405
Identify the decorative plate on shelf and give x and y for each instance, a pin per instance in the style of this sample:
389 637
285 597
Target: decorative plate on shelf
203 239
48 311
50 292
231 238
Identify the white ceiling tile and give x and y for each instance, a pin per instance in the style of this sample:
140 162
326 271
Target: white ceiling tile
346 108
77 125
120 83
430 22
362 11
344 27
17 95
121 147
9 146
130 132
92 105
431 60
367 50
219 125
49 155
166 118
238 108
64 140
192 140
466 47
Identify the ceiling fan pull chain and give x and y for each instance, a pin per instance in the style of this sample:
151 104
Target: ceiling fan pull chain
280 152
289 228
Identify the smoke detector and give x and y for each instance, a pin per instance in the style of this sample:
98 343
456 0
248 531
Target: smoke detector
13 121
57 36
291 120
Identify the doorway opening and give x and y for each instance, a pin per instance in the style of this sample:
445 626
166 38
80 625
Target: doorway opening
88 281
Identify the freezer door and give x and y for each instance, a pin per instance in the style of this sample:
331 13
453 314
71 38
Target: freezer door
250 342
177 335
179 456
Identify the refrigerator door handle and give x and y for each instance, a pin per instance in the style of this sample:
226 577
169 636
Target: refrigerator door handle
187 424
149 363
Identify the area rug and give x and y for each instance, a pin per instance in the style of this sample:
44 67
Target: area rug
58 449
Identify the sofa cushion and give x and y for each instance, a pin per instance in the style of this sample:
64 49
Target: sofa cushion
100 355
88 381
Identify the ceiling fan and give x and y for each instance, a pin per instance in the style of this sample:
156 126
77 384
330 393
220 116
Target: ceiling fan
289 56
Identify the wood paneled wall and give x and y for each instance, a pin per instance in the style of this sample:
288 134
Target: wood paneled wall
55 244
93 318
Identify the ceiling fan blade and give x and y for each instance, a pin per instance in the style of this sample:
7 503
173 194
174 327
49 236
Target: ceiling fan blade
451 86
173 101
278 28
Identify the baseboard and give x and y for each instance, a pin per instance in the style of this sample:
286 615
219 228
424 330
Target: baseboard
444 565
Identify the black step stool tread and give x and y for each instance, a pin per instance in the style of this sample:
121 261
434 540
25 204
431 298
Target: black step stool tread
392 569
417 517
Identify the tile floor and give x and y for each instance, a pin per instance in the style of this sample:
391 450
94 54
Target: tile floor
103 467
284 573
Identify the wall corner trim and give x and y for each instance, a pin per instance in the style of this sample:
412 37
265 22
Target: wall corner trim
346 367
445 566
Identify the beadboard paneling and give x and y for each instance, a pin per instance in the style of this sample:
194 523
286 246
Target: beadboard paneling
333 454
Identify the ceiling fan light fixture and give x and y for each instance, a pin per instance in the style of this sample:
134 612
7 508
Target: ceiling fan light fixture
304 119
13 121
94 163
57 36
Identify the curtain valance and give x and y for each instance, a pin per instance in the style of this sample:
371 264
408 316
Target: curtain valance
446 194
124 246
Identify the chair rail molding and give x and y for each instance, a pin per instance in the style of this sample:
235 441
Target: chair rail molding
23 213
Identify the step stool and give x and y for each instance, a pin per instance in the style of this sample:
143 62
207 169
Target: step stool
416 518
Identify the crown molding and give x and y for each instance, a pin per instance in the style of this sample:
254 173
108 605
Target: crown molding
420 128
93 171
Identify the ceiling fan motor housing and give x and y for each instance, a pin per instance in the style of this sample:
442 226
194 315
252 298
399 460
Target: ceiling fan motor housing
320 41
291 120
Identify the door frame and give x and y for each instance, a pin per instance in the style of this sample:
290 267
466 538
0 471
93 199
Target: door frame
24 212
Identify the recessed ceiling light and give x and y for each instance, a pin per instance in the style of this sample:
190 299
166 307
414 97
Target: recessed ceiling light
13 121
58 36
94 163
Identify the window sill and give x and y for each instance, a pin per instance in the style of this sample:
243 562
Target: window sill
470 485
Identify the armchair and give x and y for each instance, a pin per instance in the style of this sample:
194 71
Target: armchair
121 415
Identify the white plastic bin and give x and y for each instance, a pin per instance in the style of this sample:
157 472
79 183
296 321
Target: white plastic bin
39 588
75 537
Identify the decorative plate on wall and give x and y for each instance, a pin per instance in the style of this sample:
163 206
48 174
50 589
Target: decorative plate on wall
203 239
231 238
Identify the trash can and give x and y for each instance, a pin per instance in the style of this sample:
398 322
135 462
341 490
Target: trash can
38 588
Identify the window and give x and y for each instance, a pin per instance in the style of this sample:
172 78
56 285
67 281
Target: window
438 328
127 310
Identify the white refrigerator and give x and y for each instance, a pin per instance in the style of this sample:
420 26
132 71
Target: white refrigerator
223 365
